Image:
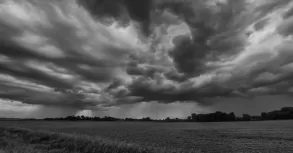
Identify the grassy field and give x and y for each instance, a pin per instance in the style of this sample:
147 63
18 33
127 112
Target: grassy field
266 136
27 141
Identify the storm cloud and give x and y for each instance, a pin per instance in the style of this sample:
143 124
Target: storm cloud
101 54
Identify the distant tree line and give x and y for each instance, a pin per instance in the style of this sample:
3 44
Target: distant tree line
284 113
86 118
212 117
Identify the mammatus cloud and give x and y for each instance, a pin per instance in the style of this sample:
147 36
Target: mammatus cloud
100 55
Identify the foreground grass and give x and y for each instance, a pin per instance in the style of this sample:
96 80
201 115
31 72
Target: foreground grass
240 137
27 141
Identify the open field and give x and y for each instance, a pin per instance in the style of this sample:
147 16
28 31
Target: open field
266 136
27 141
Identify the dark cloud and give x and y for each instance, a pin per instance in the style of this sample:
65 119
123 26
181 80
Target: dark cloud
286 28
175 76
153 90
146 70
185 55
56 56
39 96
61 54
260 24
212 33
75 63
123 11
104 8
141 12
271 6
289 13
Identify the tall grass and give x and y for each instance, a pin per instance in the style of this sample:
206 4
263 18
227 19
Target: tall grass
27 141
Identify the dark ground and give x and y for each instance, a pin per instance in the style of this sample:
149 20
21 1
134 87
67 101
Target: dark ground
264 136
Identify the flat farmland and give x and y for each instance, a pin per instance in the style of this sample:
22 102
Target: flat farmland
264 136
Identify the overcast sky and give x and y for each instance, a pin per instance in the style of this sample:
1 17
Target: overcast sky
143 58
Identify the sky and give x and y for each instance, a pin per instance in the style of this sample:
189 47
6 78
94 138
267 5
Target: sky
156 58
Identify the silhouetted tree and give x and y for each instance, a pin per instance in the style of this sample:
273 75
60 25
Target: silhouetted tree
167 119
232 117
189 118
146 119
193 117
246 117
264 116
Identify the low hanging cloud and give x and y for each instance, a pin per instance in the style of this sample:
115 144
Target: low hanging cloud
101 54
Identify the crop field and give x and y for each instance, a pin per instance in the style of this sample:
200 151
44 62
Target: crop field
265 136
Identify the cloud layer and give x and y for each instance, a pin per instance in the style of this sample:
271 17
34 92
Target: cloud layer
99 55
